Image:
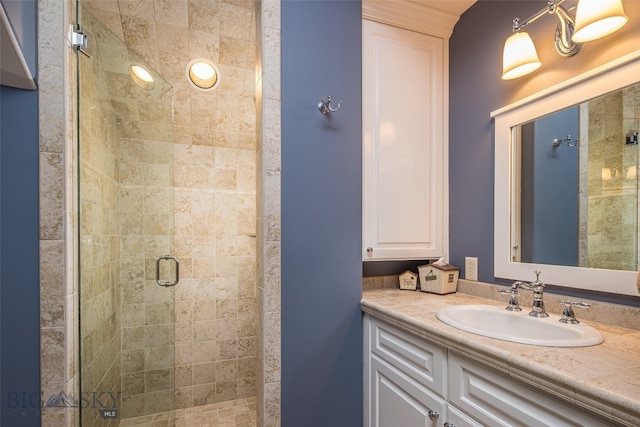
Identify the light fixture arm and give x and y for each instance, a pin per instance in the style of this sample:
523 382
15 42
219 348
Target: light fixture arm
564 45
564 31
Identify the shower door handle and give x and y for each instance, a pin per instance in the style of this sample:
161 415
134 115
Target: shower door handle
167 258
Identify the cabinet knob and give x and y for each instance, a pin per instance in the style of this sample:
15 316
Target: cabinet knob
433 415
369 249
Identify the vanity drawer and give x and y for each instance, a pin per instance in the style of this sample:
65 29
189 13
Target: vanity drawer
421 360
495 399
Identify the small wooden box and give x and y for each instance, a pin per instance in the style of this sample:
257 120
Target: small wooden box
408 280
438 279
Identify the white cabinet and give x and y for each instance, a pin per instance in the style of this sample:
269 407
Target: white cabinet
496 400
410 381
404 143
403 377
397 400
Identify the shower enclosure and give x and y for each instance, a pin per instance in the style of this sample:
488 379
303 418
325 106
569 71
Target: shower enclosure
166 179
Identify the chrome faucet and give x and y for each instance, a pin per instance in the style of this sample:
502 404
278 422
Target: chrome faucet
537 287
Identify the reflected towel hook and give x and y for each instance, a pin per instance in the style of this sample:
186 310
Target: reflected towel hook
558 141
325 106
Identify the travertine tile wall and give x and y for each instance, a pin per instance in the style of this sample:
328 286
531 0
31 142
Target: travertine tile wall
100 300
58 228
612 213
148 310
213 187
58 212
269 185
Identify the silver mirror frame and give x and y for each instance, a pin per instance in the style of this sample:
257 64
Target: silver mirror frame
612 76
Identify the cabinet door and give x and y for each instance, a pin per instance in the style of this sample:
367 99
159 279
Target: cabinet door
396 400
403 144
497 400
457 418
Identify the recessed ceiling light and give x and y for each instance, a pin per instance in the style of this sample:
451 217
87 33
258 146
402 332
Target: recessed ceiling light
141 76
203 74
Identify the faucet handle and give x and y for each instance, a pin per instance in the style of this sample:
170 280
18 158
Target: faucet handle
513 298
568 315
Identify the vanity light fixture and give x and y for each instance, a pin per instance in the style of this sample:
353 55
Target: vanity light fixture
632 172
203 74
598 18
629 173
594 19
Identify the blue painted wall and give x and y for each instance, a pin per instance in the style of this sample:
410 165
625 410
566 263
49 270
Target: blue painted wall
476 89
19 239
321 215
555 192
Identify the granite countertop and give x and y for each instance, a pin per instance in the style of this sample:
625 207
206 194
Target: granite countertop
604 378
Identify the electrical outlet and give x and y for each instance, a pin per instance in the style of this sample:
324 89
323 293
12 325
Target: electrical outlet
471 268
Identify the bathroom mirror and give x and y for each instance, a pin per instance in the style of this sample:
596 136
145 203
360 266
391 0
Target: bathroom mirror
566 184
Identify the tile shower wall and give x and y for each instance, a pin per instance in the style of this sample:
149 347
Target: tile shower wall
56 61
58 211
214 192
269 185
100 300
608 239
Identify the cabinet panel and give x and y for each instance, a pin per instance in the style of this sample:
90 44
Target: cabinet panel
403 144
422 360
399 401
497 400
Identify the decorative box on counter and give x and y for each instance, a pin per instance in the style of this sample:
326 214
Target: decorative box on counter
408 280
438 279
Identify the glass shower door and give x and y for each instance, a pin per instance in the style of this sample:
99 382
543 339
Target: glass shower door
126 221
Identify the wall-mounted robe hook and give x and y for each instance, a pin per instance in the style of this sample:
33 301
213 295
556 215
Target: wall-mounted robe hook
559 141
325 106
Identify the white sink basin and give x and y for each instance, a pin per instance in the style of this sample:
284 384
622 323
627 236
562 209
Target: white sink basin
496 322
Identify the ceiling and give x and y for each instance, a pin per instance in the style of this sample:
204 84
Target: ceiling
455 7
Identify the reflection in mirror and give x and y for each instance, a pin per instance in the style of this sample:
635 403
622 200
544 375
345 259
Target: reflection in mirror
581 183
577 199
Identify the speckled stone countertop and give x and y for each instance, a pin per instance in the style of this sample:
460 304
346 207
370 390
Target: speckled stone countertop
604 378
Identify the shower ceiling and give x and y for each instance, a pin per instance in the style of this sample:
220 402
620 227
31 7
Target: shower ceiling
168 34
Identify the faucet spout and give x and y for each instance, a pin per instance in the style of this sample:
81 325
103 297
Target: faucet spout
537 287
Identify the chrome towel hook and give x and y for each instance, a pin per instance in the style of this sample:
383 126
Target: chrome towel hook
559 141
325 106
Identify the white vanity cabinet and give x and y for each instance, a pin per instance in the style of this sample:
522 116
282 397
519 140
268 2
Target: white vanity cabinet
410 381
497 400
397 400
404 143
404 378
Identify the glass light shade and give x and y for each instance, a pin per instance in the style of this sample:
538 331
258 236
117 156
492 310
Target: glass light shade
597 18
606 174
519 56
632 172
